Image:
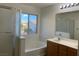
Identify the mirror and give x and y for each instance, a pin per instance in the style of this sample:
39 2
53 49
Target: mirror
68 24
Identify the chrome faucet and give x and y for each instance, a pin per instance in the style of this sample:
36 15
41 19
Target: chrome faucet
59 36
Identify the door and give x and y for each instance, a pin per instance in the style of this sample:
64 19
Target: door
5 32
52 49
71 52
62 50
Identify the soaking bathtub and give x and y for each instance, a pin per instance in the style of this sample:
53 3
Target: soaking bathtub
38 49
31 45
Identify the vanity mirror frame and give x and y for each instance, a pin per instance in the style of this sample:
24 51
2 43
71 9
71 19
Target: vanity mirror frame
72 36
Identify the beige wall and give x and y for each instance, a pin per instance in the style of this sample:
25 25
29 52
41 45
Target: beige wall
47 26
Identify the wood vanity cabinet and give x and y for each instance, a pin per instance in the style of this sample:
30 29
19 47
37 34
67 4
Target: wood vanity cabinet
55 49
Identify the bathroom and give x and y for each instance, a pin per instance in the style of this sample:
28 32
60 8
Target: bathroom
51 21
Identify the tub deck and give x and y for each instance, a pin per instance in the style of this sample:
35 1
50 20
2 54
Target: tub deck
39 50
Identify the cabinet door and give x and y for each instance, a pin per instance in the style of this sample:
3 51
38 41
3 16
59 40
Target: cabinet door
72 52
52 49
62 50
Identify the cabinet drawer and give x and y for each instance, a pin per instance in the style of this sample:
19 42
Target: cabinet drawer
52 43
62 53
72 49
62 48
71 52
52 51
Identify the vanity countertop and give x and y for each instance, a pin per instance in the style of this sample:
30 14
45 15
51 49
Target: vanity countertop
64 41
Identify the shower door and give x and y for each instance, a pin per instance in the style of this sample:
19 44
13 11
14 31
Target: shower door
6 32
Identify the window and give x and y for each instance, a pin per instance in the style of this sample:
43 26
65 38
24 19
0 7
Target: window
28 24
32 23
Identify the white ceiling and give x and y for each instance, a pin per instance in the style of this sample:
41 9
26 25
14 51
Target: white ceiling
39 5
